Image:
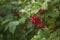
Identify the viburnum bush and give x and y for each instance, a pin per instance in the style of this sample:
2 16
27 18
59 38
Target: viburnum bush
29 19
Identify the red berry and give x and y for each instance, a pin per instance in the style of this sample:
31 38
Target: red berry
35 19
3 14
42 11
40 25
15 13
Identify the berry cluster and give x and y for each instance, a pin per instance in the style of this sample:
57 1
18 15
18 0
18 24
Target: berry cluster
36 20
3 14
40 25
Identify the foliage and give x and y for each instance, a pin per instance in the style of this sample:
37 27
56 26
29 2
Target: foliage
29 19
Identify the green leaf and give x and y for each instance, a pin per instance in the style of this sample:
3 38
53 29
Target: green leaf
12 26
22 20
5 21
55 35
42 34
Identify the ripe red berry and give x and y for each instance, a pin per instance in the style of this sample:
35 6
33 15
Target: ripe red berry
3 14
15 13
42 11
35 19
40 25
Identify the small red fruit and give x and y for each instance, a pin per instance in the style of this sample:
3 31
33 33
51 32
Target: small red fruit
3 14
42 11
35 19
40 25
15 13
